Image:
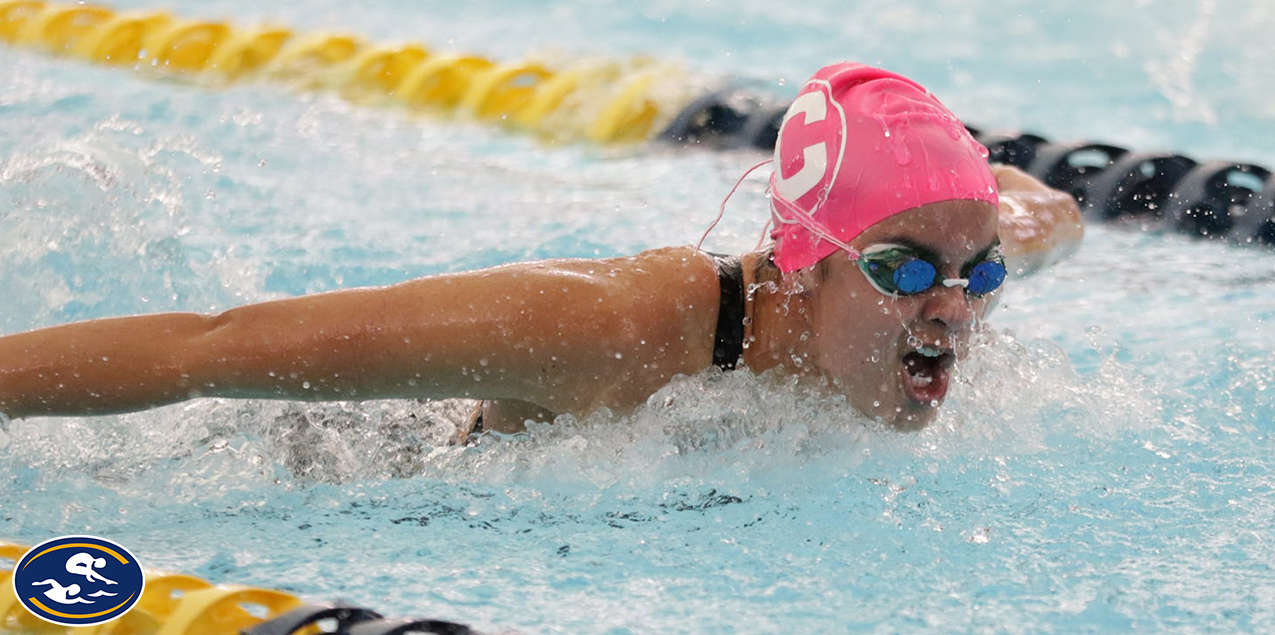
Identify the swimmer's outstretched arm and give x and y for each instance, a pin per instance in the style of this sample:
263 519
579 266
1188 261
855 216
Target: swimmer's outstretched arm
1038 224
567 336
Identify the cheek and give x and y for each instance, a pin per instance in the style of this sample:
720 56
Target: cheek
859 333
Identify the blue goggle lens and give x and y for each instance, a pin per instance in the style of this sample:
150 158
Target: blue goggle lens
914 276
986 277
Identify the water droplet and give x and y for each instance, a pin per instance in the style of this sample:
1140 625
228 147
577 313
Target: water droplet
483 362
305 385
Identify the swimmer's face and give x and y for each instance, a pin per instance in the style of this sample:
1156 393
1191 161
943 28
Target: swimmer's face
892 356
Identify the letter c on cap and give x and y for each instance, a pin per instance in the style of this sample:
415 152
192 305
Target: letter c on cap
814 105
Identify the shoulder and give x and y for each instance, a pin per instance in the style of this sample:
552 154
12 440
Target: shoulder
679 279
674 264
667 295
613 330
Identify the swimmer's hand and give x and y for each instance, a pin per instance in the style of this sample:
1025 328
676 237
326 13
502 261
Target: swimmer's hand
1038 224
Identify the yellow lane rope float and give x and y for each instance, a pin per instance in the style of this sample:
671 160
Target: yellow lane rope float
600 102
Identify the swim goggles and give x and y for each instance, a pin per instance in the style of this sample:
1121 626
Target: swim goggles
899 270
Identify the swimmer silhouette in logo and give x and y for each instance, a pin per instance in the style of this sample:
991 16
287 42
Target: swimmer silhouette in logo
84 563
62 594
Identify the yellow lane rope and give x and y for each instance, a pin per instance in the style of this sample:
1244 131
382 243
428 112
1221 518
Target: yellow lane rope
602 102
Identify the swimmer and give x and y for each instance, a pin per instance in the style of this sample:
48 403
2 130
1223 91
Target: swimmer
62 594
892 237
84 563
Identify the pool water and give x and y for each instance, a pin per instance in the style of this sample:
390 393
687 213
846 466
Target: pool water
1104 464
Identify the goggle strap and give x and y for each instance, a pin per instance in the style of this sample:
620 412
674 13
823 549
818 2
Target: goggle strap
963 283
800 217
721 211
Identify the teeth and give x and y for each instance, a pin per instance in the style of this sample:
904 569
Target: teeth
921 380
929 351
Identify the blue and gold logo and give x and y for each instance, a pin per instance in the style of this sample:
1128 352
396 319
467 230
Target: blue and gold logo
78 580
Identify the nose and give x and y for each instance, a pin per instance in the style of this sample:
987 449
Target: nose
949 308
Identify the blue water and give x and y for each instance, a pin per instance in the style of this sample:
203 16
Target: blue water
1104 465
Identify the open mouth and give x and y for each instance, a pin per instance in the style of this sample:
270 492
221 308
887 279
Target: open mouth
925 374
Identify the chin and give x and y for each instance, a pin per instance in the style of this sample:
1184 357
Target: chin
913 419
905 414
890 404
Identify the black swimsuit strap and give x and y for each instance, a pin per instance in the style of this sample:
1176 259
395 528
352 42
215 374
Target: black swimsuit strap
728 344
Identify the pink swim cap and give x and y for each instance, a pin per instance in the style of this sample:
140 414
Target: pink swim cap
857 146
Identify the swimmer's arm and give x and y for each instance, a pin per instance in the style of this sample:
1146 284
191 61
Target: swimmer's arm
98 367
566 336
1038 224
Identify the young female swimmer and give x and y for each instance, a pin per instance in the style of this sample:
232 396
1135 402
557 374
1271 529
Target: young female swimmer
891 237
